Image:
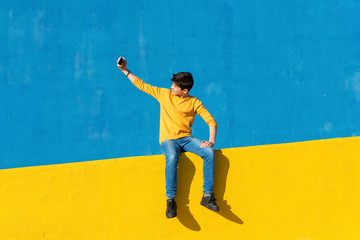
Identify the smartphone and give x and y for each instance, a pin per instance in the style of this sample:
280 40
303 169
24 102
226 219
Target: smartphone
120 61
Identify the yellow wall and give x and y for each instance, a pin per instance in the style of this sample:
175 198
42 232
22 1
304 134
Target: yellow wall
305 190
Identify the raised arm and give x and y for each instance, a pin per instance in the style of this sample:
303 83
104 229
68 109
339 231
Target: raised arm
147 88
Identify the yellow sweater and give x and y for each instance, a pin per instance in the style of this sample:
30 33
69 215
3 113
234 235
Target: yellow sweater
176 114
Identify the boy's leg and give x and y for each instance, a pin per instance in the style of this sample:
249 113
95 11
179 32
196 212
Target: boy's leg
171 149
191 144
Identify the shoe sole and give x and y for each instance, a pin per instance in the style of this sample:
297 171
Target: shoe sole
215 210
170 216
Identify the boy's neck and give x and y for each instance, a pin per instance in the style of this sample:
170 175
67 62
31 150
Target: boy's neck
184 96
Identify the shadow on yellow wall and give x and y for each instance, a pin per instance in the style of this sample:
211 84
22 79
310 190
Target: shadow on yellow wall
186 173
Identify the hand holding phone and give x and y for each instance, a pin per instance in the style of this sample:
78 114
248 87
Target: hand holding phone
121 63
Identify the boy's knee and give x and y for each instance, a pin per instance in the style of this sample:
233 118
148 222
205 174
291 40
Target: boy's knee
171 158
209 151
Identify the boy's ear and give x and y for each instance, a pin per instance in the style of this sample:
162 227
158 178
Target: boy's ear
186 91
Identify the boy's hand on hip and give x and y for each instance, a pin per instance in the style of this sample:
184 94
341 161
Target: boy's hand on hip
205 144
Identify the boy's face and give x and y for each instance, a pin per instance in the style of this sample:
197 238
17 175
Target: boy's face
176 90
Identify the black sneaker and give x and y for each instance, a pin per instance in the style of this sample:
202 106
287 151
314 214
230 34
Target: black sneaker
171 208
209 202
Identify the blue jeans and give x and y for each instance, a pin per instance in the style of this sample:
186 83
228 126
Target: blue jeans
172 149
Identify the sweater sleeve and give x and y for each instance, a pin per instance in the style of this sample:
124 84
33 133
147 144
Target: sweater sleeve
147 88
204 113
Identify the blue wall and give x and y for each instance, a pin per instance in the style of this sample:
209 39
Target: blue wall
269 71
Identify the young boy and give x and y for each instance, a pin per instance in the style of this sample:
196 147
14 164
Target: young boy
177 114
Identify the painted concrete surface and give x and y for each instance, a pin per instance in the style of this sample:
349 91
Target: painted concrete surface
269 72
305 190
